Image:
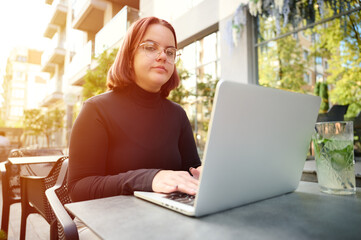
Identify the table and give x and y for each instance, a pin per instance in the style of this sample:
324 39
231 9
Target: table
310 174
305 214
34 160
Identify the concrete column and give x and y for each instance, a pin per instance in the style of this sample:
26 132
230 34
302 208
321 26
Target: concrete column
238 60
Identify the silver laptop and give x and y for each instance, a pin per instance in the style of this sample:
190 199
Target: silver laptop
257 145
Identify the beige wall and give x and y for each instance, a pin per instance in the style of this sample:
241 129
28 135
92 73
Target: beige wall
236 61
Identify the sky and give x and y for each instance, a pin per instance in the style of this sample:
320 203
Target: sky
22 23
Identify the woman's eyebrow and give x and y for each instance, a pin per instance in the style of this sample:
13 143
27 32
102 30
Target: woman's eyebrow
150 40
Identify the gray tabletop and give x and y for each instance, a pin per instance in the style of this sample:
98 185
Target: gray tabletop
305 214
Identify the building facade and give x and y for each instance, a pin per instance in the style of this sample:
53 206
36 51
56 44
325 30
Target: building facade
24 85
210 49
82 29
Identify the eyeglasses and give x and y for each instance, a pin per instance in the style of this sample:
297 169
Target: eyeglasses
153 51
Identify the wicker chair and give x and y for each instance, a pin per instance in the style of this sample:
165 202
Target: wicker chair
10 175
33 199
57 197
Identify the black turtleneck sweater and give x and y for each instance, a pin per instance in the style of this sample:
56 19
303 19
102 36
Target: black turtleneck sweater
122 138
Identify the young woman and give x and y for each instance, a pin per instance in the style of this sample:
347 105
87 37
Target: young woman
131 137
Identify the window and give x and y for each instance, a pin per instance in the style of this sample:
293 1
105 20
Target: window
300 53
16 111
307 78
18 93
20 58
20 75
305 55
200 60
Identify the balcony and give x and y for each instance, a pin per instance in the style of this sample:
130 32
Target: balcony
59 10
88 15
79 65
50 30
52 99
55 54
57 17
54 88
113 32
129 3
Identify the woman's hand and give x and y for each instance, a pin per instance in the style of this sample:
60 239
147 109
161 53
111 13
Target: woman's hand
167 181
196 172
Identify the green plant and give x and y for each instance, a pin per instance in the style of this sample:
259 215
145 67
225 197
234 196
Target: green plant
180 94
36 122
324 95
3 235
95 79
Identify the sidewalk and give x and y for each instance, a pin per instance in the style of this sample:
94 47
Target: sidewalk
37 227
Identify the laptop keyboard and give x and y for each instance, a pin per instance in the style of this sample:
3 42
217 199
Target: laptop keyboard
182 198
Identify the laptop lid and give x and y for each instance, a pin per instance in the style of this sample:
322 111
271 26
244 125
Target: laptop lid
257 145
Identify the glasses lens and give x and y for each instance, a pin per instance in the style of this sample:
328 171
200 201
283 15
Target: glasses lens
153 51
171 54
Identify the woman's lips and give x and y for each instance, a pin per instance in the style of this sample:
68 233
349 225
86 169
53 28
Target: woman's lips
160 68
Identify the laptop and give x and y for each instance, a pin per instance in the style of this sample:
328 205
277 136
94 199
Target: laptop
257 144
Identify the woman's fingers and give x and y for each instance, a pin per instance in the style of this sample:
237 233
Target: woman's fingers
172 181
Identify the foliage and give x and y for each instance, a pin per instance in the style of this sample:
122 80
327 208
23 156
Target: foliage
206 89
324 95
95 79
180 94
321 89
337 42
3 235
340 43
37 122
281 64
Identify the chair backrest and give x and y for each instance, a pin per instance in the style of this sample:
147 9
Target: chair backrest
58 196
337 112
13 172
37 196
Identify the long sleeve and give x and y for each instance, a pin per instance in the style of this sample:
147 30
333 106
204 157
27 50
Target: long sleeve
187 145
121 139
88 177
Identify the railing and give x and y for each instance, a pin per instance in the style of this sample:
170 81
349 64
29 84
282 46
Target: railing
114 31
80 62
78 6
56 42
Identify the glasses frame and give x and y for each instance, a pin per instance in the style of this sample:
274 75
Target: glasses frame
161 49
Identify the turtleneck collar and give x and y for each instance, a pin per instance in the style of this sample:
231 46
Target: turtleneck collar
143 97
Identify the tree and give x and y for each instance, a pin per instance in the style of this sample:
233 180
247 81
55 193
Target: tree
340 42
281 64
37 122
32 126
95 79
51 122
180 94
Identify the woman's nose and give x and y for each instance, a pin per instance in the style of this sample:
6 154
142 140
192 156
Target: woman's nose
162 56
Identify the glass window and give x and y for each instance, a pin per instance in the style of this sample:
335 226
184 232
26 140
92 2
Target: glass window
16 111
307 78
327 48
18 93
305 55
199 65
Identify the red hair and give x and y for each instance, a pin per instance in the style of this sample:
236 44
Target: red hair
121 73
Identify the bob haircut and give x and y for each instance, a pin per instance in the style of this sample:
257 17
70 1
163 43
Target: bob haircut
121 73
